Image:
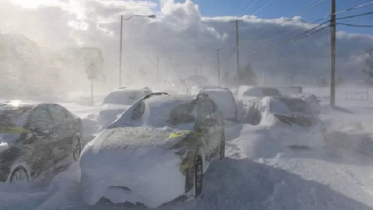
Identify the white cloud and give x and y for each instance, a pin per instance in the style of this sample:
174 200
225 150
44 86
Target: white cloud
179 31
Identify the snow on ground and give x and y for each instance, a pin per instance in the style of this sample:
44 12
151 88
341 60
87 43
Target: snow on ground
257 173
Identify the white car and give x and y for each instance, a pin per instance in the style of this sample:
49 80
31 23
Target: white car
223 98
292 121
155 152
118 101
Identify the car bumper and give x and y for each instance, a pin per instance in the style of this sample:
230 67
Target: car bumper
137 179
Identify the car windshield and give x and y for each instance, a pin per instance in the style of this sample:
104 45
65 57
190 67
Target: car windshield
285 105
125 97
13 117
178 114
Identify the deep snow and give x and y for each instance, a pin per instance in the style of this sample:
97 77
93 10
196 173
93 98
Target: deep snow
257 173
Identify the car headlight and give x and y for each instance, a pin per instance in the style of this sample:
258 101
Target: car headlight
183 152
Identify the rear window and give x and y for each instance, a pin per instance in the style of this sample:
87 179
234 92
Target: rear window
271 92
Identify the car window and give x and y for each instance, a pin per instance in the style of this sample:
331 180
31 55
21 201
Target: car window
271 92
40 119
58 114
296 105
138 111
182 114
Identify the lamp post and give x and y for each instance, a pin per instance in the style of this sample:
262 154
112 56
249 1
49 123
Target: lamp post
121 41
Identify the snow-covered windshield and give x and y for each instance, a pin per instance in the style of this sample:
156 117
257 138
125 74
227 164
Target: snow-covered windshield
124 97
172 113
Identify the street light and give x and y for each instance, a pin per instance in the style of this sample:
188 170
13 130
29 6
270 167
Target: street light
120 44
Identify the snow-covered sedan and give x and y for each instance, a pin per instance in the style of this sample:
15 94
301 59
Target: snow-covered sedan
292 121
118 101
155 152
36 140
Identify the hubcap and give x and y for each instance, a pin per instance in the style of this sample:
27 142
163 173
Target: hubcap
19 177
76 148
198 177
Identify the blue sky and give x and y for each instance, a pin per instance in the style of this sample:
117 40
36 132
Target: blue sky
287 8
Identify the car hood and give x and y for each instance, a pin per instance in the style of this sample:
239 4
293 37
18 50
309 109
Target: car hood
129 138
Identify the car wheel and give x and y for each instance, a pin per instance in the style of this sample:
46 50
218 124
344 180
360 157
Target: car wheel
77 148
19 177
198 177
222 146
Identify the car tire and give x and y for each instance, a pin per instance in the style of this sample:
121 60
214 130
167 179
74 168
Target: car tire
19 176
76 148
222 147
198 176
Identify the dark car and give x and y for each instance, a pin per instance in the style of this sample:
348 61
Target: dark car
158 136
37 140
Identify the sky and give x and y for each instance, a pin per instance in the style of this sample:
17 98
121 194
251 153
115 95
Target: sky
185 34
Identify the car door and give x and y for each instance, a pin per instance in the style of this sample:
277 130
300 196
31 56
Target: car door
39 140
206 131
63 134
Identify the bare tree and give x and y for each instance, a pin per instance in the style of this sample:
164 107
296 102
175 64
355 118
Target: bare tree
369 64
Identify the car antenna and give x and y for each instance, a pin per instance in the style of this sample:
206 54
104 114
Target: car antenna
187 91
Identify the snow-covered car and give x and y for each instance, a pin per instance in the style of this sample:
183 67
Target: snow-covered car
155 152
293 121
248 98
223 98
36 140
117 102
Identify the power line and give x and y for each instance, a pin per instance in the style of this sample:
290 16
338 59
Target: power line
319 25
352 8
356 25
353 16
242 6
301 37
259 10
305 10
349 9
249 6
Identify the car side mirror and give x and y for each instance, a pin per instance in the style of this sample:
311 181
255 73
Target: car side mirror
210 122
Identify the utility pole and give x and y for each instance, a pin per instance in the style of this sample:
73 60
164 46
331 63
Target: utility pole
332 54
218 56
120 51
237 45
